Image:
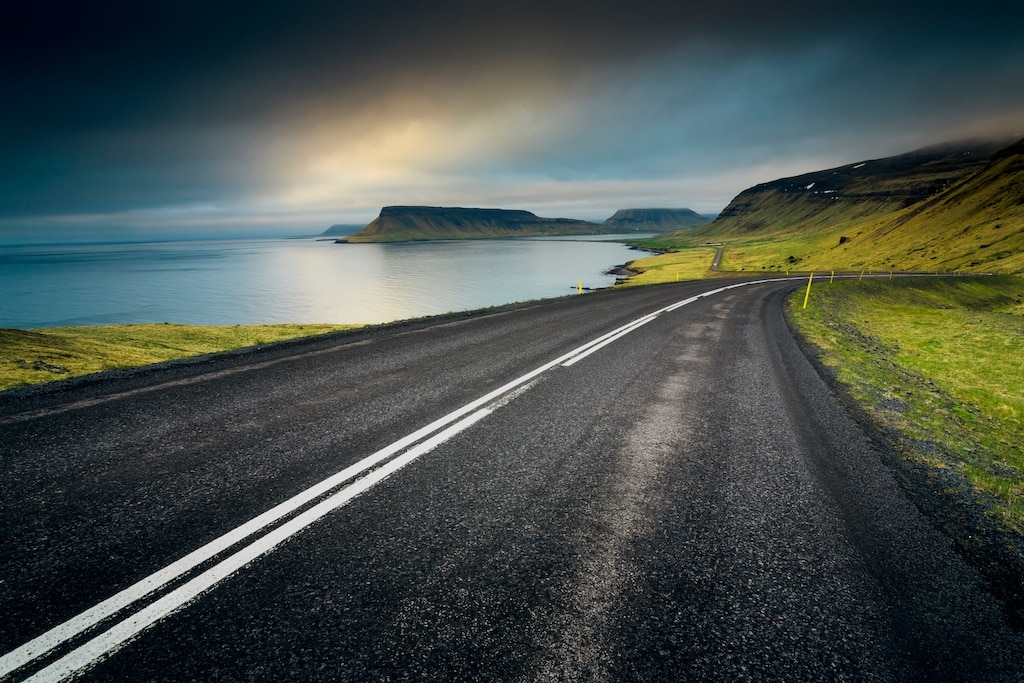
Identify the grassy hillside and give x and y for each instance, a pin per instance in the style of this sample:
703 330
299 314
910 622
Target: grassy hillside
410 223
978 223
940 209
35 356
851 192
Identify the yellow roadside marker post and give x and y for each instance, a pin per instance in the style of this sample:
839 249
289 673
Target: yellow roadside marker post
579 287
832 277
808 294
861 276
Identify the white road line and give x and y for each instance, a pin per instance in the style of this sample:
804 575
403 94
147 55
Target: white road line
640 322
115 637
72 628
622 333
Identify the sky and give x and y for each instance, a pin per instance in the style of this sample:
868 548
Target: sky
153 120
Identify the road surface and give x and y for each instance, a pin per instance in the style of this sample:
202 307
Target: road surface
569 490
716 262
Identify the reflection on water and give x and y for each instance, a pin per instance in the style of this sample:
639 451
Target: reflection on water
276 281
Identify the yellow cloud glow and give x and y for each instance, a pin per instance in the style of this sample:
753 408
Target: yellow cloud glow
414 139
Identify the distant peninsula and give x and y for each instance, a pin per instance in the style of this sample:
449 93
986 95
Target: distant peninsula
654 220
412 223
409 223
341 229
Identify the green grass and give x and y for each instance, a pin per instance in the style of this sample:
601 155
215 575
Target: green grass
771 255
938 362
976 224
690 259
35 356
689 263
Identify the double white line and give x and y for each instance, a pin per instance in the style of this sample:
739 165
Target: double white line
407 449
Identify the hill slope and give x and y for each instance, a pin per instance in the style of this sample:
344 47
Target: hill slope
654 220
408 223
976 223
869 188
940 208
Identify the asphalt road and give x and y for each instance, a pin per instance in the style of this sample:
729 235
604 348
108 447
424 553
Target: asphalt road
684 502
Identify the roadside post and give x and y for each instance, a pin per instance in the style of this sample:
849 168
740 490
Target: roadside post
807 296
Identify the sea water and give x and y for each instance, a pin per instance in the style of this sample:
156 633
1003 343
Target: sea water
289 280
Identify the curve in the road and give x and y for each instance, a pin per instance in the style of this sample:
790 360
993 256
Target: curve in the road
130 626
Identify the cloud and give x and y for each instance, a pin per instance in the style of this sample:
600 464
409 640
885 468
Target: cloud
155 112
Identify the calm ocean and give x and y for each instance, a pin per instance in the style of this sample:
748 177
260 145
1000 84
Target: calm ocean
288 280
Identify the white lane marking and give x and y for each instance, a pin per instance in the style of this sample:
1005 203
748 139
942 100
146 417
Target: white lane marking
60 634
640 322
113 638
622 333
53 638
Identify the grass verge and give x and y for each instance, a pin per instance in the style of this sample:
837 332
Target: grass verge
935 367
36 356
689 258
687 263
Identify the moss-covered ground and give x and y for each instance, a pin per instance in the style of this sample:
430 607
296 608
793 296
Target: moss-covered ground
35 356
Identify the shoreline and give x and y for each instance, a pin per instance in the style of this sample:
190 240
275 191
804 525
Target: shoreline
273 348
286 281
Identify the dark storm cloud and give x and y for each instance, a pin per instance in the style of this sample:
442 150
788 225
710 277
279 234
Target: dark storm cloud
97 65
115 106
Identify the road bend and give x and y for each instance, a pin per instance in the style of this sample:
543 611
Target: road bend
650 484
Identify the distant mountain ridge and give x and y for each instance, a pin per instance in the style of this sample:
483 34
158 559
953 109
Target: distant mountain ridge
945 207
410 223
655 220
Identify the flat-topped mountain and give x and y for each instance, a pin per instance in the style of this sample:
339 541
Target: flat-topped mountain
654 220
409 223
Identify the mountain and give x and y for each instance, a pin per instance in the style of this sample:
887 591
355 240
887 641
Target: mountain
940 208
654 220
851 192
408 223
977 222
